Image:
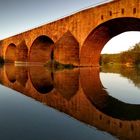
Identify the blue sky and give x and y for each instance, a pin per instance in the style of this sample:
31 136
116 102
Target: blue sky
20 15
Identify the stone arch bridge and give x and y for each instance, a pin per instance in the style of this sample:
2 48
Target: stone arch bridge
77 39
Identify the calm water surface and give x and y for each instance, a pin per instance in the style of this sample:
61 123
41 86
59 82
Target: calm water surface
78 104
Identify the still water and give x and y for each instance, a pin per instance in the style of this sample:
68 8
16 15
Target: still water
77 104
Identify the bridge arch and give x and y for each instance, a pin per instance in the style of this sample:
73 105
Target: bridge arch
41 79
98 37
41 50
10 54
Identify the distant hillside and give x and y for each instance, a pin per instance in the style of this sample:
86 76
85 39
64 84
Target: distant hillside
130 57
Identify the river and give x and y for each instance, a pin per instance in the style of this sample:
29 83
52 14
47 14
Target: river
69 104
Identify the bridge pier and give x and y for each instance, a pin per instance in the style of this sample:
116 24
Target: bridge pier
67 50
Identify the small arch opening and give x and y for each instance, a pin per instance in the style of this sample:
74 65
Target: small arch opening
10 54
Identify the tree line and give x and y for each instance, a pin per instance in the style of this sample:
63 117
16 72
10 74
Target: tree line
129 57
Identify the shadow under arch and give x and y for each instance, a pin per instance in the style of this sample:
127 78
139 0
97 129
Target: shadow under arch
99 97
41 79
94 43
41 49
10 54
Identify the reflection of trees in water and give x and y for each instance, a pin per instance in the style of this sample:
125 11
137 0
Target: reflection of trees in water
131 73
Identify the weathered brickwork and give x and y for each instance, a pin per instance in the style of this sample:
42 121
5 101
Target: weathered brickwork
78 39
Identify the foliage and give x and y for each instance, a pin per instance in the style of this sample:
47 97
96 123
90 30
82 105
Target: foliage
58 66
130 57
109 59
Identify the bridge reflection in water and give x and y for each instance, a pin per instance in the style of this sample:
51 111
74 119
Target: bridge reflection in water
78 93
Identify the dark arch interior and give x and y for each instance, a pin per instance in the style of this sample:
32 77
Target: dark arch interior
41 50
91 49
10 55
41 79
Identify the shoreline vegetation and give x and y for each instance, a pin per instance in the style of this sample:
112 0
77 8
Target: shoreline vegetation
129 58
58 66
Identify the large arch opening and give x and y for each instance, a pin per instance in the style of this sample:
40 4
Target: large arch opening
41 50
94 43
10 54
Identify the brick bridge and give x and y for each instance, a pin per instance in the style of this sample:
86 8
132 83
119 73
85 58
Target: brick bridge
77 39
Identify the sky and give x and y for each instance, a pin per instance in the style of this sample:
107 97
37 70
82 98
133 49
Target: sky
121 42
20 15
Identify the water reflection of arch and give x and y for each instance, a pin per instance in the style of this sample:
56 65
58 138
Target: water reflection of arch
99 97
16 74
66 82
10 71
10 53
41 79
41 49
83 106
